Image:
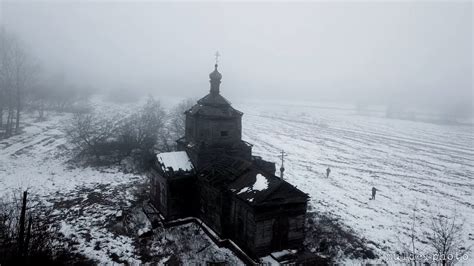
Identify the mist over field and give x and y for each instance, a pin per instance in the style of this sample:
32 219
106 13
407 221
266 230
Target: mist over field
413 54
360 113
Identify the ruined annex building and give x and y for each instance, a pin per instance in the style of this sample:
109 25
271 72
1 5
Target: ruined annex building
214 177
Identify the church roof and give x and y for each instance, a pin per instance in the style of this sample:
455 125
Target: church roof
212 105
247 182
175 161
257 187
212 99
224 170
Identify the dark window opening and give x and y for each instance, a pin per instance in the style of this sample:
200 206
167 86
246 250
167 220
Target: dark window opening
224 133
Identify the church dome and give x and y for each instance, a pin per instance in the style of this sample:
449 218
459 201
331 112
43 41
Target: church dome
215 75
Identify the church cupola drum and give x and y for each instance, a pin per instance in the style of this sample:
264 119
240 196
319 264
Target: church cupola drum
213 127
215 79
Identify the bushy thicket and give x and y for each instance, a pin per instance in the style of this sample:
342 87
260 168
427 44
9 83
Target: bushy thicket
438 239
131 140
31 236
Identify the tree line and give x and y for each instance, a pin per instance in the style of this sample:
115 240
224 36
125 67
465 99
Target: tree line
15 72
104 140
25 86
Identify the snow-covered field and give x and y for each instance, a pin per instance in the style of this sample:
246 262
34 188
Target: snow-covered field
410 163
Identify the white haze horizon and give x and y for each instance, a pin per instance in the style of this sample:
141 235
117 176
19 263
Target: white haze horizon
404 53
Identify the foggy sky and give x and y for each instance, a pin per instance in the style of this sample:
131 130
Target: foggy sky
344 51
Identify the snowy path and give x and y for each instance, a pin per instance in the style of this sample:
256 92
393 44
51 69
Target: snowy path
409 163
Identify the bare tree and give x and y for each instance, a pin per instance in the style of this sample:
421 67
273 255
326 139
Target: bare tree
178 117
21 75
112 139
6 75
410 237
27 232
443 234
446 237
175 125
92 134
16 73
143 129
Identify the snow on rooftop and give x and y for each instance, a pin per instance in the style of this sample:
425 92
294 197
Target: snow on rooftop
176 160
243 190
261 183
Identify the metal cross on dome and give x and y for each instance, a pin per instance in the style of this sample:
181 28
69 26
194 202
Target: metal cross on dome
217 57
282 155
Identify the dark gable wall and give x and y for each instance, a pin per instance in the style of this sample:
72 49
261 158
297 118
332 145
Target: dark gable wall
159 191
173 194
279 227
210 199
263 230
242 224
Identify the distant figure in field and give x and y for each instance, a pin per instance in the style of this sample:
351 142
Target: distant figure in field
328 171
374 191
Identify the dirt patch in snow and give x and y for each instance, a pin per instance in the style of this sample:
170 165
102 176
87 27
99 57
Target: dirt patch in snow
327 236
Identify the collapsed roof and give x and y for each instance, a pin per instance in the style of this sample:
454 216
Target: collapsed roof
249 183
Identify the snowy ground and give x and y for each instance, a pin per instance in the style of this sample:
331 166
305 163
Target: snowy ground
87 200
409 163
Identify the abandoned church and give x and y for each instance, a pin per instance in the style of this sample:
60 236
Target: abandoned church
214 177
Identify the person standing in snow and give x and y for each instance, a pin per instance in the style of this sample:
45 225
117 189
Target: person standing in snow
374 190
328 171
